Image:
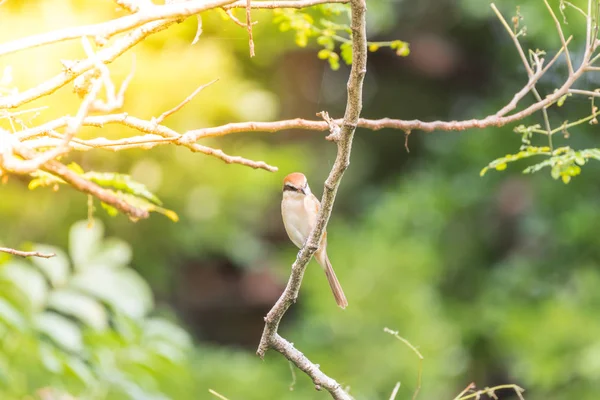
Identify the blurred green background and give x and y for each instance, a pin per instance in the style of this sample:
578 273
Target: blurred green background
494 279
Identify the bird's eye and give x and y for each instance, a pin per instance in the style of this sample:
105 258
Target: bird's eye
291 188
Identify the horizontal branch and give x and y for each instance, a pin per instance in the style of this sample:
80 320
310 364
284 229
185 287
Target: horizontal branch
156 135
108 29
321 380
26 253
342 134
284 4
104 56
144 15
80 183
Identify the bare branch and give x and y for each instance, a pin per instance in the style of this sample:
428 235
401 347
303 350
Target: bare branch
106 56
108 29
83 185
490 392
414 350
26 253
270 337
157 135
133 6
183 103
148 14
562 37
249 27
284 3
585 92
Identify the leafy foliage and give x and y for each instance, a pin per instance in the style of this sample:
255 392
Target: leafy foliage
328 33
120 185
84 319
564 162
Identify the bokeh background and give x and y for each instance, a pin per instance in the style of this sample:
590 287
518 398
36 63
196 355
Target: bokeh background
495 279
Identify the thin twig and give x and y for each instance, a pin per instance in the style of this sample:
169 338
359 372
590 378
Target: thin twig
585 92
249 27
270 337
490 392
26 253
155 13
158 135
562 37
293 371
220 396
417 352
183 103
395 391
469 387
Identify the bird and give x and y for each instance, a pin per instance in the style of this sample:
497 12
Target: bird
299 209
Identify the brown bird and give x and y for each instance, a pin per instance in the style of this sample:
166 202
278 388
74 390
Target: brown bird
299 209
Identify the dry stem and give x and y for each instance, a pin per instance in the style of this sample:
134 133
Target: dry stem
270 337
26 253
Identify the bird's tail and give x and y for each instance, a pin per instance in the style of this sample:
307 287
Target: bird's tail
336 288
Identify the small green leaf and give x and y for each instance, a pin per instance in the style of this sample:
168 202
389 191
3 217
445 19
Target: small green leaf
55 268
123 289
334 61
323 54
29 281
561 101
327 42
76 168
373 47
80 306
301 38
63 332
123 183
84 242
11 316
346 52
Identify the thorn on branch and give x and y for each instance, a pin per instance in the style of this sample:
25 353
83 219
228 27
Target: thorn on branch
334 129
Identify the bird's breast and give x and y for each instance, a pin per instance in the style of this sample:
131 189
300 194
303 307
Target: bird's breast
295 218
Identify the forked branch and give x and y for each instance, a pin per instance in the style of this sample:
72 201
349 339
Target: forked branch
343 138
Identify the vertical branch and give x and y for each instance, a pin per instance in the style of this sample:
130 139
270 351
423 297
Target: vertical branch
343 136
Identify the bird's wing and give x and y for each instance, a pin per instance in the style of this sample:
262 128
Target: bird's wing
312 205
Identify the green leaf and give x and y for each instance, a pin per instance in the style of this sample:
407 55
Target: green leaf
80 370
123 289
346 52
50 357
29 281
110 210
123 183
146 205
327 42
63 332
562 100
162 329
114 252
11 316
402 48
334 61
84 242
324 54
80 306
373 47
56 268
301 38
